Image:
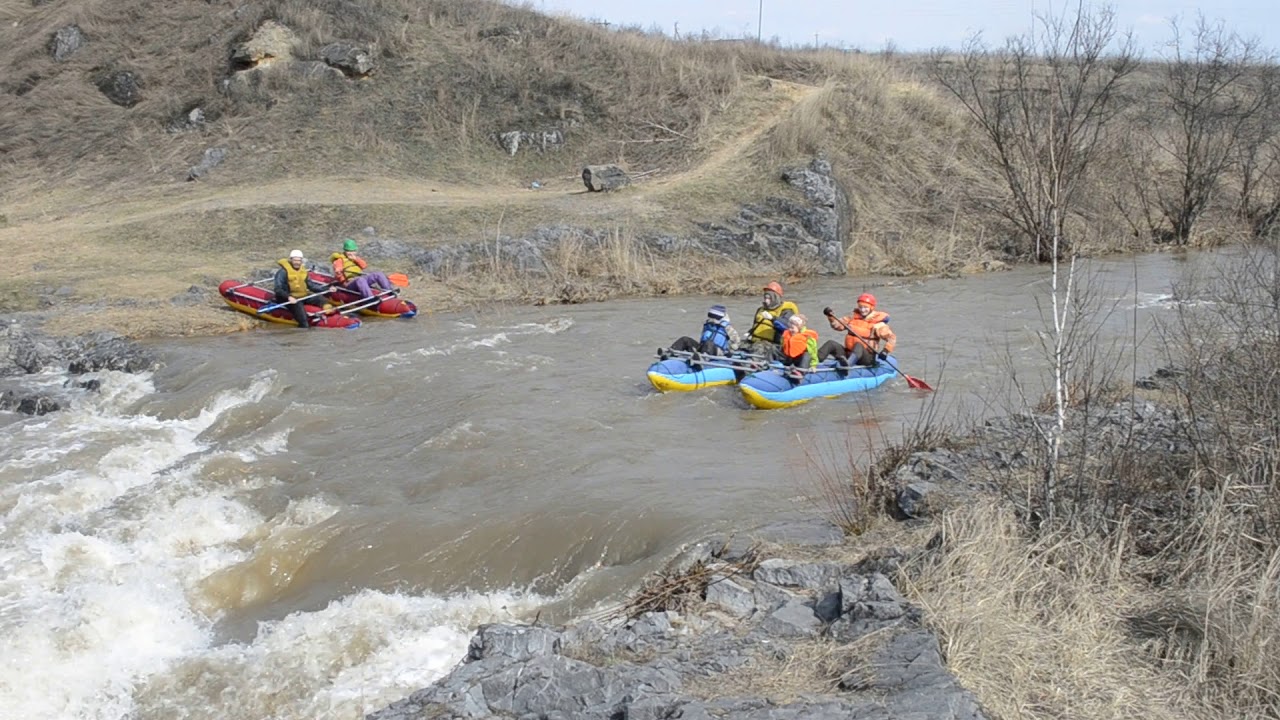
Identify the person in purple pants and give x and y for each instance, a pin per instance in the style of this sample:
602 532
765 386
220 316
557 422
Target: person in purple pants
352 271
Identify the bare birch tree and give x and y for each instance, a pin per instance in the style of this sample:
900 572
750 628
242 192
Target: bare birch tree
1044 102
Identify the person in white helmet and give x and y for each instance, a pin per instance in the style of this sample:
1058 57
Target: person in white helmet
293 285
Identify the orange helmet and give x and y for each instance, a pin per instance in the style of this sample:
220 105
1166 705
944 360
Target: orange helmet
867 298
775 288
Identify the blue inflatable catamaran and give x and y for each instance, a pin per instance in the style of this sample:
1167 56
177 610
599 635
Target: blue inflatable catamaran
779 388
677 371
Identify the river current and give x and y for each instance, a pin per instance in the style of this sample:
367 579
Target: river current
288 524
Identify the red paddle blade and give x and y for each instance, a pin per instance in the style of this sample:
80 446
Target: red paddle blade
917 383
398 279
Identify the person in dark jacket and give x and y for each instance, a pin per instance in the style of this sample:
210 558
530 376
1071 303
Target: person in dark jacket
293 285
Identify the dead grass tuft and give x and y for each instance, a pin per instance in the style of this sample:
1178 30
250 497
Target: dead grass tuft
786 674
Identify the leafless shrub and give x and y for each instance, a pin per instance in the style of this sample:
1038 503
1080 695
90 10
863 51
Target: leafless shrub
1214 92
1044 104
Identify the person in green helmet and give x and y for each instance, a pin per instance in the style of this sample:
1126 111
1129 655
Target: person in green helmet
353 273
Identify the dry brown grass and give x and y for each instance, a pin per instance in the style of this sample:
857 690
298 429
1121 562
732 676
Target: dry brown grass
581 269
410 150
1037 628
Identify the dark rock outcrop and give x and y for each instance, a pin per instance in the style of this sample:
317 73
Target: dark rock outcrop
25 352
541 140
813 231
351 59
776 231
600 178
29 403
190 119
122 87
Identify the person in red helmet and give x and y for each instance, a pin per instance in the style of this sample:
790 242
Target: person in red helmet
765 336
867 334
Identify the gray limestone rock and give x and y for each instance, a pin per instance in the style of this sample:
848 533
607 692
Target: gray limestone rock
795 619
352 59
66 41
731 596
28 404
211 159
770 597
105 350
600 178
913 500
516 642
122 87
791 573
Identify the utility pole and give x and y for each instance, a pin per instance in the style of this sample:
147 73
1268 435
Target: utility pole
759 21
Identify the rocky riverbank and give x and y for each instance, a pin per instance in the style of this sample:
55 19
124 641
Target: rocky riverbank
27 354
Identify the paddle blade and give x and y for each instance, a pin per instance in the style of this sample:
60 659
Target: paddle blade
917 383
398 279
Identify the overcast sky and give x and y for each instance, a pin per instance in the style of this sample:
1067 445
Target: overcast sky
907 24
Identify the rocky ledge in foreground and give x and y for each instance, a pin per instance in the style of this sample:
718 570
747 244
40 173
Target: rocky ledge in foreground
24 353
773 639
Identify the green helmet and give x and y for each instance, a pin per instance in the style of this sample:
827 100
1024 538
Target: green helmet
349 245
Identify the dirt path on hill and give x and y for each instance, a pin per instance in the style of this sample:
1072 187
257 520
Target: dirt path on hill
556 193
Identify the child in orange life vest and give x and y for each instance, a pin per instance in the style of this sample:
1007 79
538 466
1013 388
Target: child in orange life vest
799 345
867 336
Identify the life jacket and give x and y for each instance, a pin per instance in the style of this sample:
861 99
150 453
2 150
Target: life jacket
345 267
796 344
864 328
717 331
763 329
297 278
